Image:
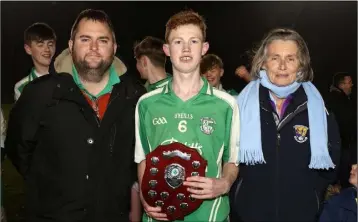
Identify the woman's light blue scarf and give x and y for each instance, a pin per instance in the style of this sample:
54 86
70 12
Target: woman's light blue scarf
250 151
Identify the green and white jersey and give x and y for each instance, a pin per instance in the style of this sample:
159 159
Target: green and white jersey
157 85
208 122
230 91
19 86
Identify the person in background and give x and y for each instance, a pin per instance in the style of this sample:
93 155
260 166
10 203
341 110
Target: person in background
289 144
151 62
40 44
3 136
343 207
212 68
344 108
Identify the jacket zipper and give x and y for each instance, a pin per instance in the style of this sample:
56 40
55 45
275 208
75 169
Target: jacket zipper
317 200
111 148
114 132
278 140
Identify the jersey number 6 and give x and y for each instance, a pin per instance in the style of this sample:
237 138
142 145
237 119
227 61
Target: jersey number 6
182 126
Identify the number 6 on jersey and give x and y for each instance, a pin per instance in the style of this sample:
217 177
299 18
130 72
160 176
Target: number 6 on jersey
182 126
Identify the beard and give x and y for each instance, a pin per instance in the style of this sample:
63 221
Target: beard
88 73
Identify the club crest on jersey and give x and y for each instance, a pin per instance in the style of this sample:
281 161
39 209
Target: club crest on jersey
207 125
300 133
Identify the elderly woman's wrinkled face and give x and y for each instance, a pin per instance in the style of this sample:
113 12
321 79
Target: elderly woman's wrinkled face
282 62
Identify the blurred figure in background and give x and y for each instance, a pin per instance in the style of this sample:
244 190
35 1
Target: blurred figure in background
342 105
40 44
212 68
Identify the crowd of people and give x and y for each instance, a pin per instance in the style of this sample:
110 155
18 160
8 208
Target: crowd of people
79 132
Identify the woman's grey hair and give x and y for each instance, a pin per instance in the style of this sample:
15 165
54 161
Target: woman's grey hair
305 72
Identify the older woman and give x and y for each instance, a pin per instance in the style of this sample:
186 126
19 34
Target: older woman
289 144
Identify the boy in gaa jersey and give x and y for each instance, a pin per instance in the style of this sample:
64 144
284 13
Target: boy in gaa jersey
212 68
190 111
151 62
40 44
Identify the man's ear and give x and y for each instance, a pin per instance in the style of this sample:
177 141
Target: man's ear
205 48
221 72
27 49
166 49
70 45
144 61
115 48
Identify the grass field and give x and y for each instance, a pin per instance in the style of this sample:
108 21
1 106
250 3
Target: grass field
13 193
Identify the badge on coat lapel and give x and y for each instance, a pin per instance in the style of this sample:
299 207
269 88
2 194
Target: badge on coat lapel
300 133
207 125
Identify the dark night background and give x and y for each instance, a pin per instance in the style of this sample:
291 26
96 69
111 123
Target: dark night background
329 28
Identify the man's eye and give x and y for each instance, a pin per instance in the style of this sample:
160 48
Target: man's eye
103 41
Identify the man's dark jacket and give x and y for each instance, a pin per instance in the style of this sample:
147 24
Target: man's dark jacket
345 112
76 167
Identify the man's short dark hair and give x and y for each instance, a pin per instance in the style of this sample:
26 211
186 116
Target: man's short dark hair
152 48
94 15
338 78
39 32
210 61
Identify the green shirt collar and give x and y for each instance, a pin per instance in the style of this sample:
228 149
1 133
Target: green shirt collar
113 79
32 74
206 89
156 85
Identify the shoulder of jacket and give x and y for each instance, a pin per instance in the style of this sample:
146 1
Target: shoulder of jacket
133 83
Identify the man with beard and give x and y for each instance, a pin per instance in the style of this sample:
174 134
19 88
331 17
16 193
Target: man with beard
70 135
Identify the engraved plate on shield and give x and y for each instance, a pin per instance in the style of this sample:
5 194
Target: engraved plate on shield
180 196
171 209
196 164
159 203
174 175
153 171
154 160
183 205
164 195
153 183
152 193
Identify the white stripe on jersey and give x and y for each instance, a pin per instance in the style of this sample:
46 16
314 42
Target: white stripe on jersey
235 125
18 85
219 161
216 210
212 209
139 154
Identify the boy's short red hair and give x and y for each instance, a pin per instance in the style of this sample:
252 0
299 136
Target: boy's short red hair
187 17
